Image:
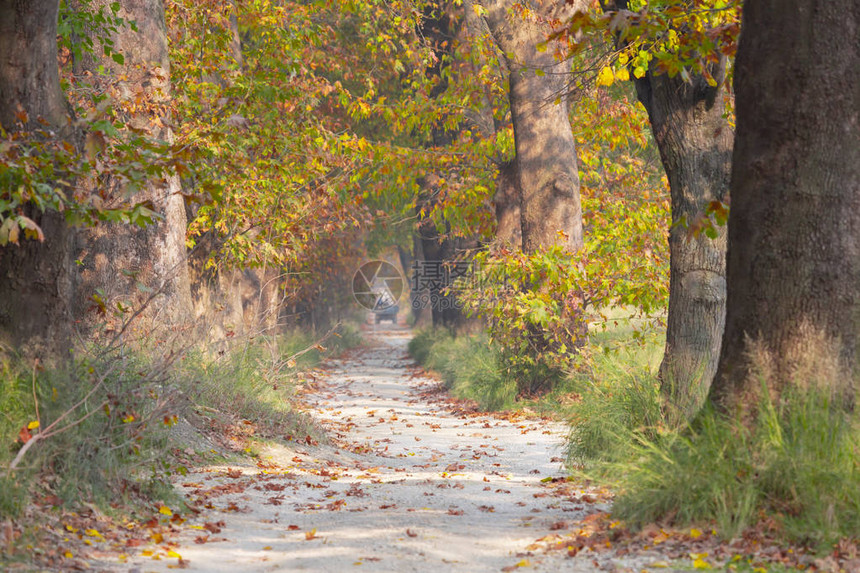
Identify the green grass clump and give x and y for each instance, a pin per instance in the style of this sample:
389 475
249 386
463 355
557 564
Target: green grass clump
421 343
613 410
469 366
257 382
799 461
107 415
105 422
617 395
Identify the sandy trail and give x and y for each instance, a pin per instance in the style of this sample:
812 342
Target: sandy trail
409 484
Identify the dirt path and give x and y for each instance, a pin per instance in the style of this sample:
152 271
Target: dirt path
409 484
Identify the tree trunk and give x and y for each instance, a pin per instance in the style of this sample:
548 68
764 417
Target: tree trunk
118 258
35 284
695 143
546 160
507 204
29 75
793 306
418 296
434 276
440 251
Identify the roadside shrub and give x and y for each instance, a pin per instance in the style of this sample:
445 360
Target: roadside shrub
535 312
100 424
421 343
469 366
799 461
98 429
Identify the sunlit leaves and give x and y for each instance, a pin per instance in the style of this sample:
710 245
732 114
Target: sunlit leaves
674 37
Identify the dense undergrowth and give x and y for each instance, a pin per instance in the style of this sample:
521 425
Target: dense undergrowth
795 470
104 429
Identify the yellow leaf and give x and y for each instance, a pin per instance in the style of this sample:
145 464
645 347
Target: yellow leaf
147 552
695 533
174 554
639 72
33 425
699 561
267 548
93 533
165 510
622 75
605 77
68 555
524 563
72 529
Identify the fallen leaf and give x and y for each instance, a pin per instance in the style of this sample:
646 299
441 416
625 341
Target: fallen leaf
213 527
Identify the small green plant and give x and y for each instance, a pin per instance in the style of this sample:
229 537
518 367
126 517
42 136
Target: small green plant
538 305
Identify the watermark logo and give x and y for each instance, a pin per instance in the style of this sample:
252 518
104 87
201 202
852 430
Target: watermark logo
377 285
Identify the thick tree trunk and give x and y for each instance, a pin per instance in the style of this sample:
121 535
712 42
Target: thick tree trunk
793 307
507 204
117 258
434 275
35 284
440 251
546 160
695 143
29 75
418 296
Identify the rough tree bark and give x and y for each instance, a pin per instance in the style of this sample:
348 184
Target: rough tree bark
793 267
117 258
35 283
546 161
507 205
440 251
695 143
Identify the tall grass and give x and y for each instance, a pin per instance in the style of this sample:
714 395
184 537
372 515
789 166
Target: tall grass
115 446
469 366
257 382
798 461
112 447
